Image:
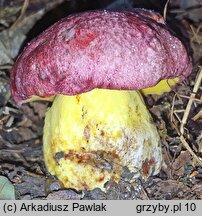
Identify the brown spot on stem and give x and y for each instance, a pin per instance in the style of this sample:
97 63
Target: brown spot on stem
147 165
86 133
78 97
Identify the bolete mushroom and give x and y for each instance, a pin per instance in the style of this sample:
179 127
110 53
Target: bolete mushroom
95 62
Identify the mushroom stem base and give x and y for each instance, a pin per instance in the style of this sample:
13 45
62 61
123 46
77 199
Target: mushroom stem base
89 138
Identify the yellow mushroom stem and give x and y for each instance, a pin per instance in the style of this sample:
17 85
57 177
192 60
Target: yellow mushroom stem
89 138
161 87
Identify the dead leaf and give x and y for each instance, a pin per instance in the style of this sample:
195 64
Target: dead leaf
7 190
180 162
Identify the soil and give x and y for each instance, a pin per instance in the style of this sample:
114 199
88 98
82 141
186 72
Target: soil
21 127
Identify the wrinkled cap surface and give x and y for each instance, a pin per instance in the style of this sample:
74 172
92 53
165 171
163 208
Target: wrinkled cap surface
128 50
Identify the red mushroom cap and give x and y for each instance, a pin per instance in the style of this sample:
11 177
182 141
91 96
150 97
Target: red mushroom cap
128 50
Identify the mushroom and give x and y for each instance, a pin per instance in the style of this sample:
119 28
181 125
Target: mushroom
92 65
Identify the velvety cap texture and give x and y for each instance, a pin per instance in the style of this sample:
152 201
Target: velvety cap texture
128 50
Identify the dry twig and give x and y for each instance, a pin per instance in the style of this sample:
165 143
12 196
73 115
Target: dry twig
191 99
24 8
197 116
197 37
165 9
186 145
180 131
